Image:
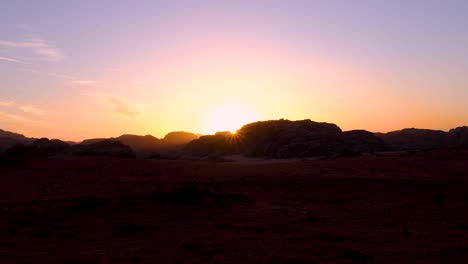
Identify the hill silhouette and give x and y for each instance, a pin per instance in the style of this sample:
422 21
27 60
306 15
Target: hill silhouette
267 139
150 143
460 136
9 139
412 138
105 147
306 138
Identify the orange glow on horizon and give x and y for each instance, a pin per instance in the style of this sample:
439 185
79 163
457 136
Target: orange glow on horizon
228 117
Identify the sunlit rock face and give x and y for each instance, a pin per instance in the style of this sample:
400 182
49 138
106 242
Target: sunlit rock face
412 138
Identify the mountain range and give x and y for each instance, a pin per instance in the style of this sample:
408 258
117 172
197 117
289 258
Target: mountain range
269 139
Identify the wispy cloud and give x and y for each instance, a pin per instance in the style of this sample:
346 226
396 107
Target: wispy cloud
9 117
7 103
31 109
23 114
72 79
40 47
12 60
123 106
25 108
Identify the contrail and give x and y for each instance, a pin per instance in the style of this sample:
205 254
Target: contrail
12 60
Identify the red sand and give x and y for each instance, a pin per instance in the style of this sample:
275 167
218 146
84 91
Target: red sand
410 209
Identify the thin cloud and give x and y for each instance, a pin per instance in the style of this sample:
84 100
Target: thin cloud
11 117
12 60
73 79
7 103
40 47
123 106
26 108
31 109
8 117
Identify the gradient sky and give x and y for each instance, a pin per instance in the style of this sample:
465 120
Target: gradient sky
83 69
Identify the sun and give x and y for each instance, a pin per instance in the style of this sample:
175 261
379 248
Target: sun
229 117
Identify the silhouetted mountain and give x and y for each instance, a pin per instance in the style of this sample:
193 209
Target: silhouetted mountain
91 141
9 139
50 146
139 143
272 139
150 143
105 147
412 138
269 139
361 141
7 134
222 143
179 138
460 135
288 139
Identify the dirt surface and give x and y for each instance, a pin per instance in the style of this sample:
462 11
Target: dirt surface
389 209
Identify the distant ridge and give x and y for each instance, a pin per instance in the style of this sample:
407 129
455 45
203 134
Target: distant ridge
9 139
305 138
271 139
150 143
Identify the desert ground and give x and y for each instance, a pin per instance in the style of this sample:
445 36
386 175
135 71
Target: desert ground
373 209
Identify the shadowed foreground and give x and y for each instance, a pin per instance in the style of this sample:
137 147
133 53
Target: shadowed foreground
352 210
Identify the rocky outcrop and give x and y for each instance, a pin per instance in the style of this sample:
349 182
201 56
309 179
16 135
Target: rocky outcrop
105 148
289 139
460 136
272 139
222 143
355 142
412 139
179 138
91 141
149 143
10 139
139 143
50 146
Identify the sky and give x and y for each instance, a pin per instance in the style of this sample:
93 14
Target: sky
83 69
